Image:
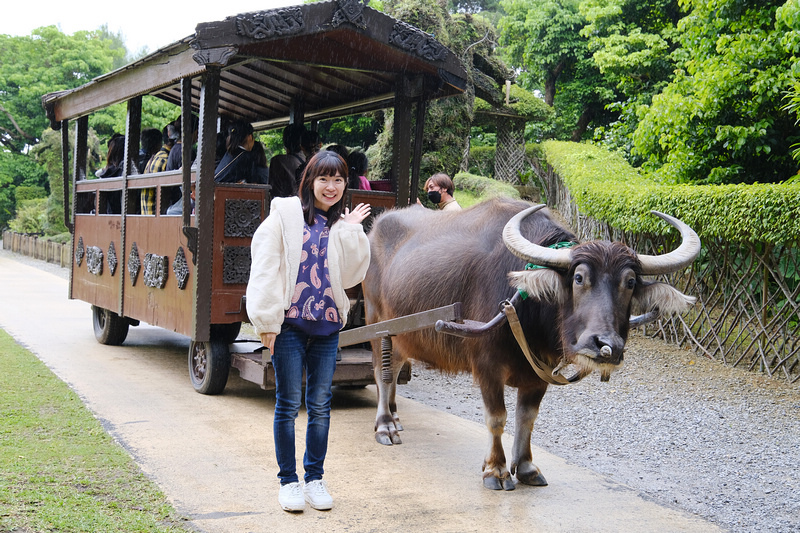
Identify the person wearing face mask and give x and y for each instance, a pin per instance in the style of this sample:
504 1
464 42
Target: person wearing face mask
440 191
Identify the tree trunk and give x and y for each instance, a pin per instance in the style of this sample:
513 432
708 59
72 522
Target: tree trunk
583 123
550 83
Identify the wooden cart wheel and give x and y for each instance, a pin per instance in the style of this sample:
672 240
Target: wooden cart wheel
109 327
209 366
226 333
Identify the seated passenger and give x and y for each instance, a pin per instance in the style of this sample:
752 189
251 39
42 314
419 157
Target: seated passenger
358 164
177 207
310 144
149 144
260 164
238 163
116 151
113 169
157 163
175 161
282 167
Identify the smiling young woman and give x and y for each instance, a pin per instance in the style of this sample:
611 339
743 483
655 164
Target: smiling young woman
305 254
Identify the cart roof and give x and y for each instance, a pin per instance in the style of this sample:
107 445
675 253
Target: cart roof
334 58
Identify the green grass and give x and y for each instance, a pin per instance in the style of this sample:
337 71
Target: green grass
59 470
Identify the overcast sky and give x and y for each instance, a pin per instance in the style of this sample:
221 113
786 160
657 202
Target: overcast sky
150 23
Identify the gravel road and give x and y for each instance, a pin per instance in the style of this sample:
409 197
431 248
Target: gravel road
684 431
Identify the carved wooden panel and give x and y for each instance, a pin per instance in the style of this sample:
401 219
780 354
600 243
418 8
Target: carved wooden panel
242 217
236 265
134 264
94 260
155 270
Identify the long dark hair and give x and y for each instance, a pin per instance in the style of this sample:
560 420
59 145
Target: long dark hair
237 133
324 163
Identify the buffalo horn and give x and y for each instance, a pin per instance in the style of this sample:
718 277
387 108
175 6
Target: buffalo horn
528 251
677 259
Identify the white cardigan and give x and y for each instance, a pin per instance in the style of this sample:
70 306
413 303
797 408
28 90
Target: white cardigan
276 249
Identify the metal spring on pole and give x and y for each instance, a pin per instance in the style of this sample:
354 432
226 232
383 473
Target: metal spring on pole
386 360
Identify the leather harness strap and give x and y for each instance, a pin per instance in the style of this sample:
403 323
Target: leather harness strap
543 370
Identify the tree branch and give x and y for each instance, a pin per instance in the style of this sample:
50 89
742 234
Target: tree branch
16 126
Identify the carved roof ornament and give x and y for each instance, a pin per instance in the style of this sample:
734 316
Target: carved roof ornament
269 24
215 56
351 11
417 42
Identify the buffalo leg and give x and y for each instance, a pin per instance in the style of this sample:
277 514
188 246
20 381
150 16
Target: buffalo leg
387 422
495 474
521 456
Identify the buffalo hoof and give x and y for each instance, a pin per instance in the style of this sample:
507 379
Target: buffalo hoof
397 425
387 439
494 483
534 478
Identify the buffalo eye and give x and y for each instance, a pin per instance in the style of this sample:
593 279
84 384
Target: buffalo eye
578 279
631 283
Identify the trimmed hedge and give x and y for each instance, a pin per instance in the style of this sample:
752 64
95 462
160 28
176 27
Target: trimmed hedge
607 188
484 187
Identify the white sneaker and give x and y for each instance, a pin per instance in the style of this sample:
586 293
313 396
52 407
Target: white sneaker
291 497
317 496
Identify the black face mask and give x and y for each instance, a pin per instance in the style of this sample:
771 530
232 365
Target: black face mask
435 197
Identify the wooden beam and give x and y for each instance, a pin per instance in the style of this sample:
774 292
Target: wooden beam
123 84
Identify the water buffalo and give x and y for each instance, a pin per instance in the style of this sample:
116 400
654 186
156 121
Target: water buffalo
575 315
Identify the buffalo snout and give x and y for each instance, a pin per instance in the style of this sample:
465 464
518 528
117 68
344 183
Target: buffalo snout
605 349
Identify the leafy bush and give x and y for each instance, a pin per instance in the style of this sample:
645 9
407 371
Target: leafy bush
606 187
481 160
483 187
31 216
24 193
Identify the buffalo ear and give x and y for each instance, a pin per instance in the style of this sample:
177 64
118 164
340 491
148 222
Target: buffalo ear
657 295
541 284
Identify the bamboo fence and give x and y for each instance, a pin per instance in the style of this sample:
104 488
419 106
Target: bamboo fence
747 313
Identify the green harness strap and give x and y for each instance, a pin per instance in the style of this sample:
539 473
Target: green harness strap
531 266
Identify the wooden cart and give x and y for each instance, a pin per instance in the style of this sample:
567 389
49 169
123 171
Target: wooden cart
188 273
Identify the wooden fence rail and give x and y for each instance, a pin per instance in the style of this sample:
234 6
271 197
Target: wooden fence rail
33 246
747 312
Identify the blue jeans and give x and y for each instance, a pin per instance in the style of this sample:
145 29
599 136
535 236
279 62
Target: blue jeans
296 351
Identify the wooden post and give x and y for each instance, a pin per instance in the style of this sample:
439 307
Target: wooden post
204 203
401 149
133 126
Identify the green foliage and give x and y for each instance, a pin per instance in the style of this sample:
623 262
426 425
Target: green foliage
483 187
523 103
632 42
448 120
606 187
28 192
15 170
44 62
720 118
788 15
31 216
542 39
354 130
481 160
